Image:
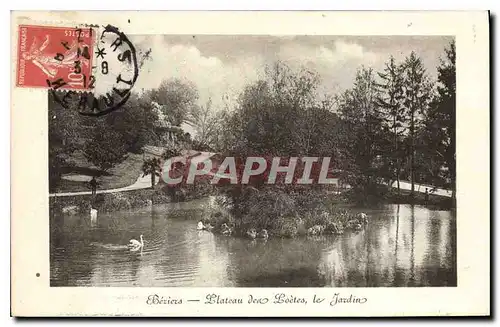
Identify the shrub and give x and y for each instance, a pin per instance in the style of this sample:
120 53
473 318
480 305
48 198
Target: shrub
288 226
219 217
258 208
115 202
105 148
317 217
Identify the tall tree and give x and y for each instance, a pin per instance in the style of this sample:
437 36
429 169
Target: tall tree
361 132
417 94
441 119
176 98
105 147
207 122
135 122
273 115
63 138
393 112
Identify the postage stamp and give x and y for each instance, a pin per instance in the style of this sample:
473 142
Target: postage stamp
47 53
88 69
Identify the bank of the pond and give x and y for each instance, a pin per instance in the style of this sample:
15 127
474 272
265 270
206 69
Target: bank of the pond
383 196
431 200
109 202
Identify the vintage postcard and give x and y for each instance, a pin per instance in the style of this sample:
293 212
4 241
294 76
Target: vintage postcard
254 164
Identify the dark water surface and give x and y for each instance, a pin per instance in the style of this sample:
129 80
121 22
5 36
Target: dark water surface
401 246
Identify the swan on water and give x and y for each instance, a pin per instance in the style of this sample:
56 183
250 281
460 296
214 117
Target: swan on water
207 227
93 216
136 244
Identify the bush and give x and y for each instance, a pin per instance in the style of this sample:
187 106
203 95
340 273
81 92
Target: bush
116 201
288 226
105 148
111 201
258 208
317 217
372 194
219 217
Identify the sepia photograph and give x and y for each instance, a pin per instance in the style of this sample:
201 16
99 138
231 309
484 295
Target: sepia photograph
380 108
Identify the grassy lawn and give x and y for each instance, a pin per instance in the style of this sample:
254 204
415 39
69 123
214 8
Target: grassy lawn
123 174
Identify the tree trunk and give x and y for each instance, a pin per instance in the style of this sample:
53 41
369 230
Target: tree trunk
412 153
453 166
396 154
397 179
152 180
453 185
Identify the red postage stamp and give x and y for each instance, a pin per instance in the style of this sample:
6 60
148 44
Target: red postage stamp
49 56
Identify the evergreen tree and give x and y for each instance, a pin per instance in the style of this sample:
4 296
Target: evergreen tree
361 133
441 122
393 113
417 89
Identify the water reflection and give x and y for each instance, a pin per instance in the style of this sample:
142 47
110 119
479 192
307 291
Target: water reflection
402 246
410 246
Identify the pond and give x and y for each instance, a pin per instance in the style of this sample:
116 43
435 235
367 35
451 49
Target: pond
402 246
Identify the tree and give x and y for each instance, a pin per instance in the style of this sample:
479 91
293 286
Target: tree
440 121
135 122
65 130
360 133
151 167
105 147
177 98
417 89
272 115
393 112
206 121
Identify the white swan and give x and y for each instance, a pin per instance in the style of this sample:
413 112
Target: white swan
136 244
200 226
93 216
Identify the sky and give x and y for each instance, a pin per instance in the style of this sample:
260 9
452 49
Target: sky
221 65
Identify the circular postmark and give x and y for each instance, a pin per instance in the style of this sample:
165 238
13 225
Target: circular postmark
110 82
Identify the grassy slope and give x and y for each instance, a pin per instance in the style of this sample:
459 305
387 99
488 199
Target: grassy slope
123 174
